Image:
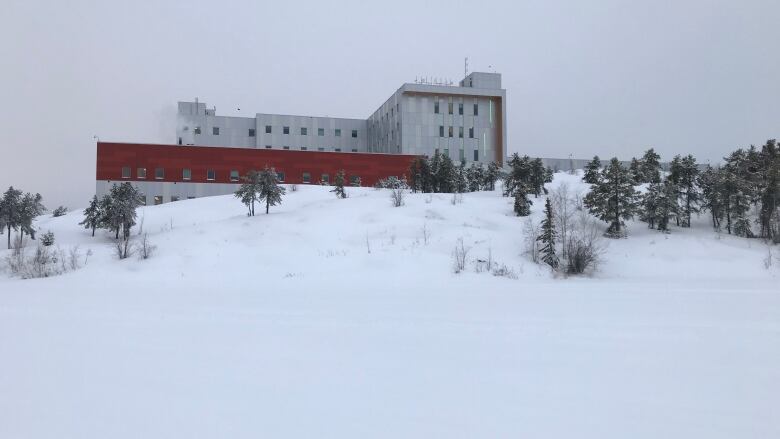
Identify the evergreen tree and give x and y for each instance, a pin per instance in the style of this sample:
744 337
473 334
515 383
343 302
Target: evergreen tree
688 191
338 185
271 191
711 182
548 175
435 165
520 174
125 199
92 215
31 207
47 239
522 205
592 171
446 175
461 182
659 205
492 175
548 236
109 219
635 170
613 199
768 170
650 167
476 177
538 177
11 211
249 191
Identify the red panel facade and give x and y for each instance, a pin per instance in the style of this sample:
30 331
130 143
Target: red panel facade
370 167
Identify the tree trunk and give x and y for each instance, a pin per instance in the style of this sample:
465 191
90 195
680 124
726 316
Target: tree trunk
267 204
9 236
93 231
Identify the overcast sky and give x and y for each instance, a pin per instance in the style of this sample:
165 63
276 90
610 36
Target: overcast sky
610 77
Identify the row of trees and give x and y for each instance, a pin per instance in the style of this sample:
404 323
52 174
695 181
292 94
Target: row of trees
440 174
748 181
115 212
260 187
17 212
526 176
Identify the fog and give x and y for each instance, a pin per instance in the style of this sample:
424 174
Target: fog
607 77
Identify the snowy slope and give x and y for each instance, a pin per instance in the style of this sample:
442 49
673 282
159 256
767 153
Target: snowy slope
286 325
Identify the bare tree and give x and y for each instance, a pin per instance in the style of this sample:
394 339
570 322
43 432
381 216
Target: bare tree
564 206
530 231
397 196
459 256
145 247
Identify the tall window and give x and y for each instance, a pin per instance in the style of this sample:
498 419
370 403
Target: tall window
436 106
476 109
304 131
211 175
441 130
159 173
462 155
125 172
140 172
450 131
471 132
251 132
234 175
285 130
338 132
268 129
449 107
215 131
476 155
460 132
320 131
460 108
306 177
354 133
186 174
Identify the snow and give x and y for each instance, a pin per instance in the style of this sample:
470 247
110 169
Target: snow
285 325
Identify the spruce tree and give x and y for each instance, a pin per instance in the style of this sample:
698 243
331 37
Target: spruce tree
492 174
270 190
338 184
461 183
522 206
538 177
92 215
446 175
11 211
635 170
31 207
592 171
711 181
435 165
613 199
249 191
689 192
548 236
659 205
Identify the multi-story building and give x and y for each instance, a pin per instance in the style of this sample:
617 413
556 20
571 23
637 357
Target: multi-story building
466 122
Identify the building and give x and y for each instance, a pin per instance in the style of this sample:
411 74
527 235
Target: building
467 122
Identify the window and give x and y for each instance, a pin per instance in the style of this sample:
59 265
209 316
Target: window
140 172
441 130
449 107
471 132
476 155
354 133
211 175
460 132
325 178
354 149
174 198
338 132
268 147
306 177
447 152
186 174
320 131
436 106
268 129
251 132
285 147
215 131
190 198
460 108
197 130
157 199
476 110
304 131
159 173
450 131
179 140
337 149
354 180
320 149
125 172
280 176
285 130
303 148
233 175
462 155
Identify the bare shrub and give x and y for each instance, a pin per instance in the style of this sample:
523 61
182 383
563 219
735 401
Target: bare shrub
74 258
504 271
397 196
123 248
457 198
459 256
293 188
531 246
428 199
426 233
585 247
145 247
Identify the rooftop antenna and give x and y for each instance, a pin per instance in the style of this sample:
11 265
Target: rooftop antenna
466 67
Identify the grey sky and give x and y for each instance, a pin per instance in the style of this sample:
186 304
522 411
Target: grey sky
602 76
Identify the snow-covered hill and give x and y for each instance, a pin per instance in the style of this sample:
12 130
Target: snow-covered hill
339 318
